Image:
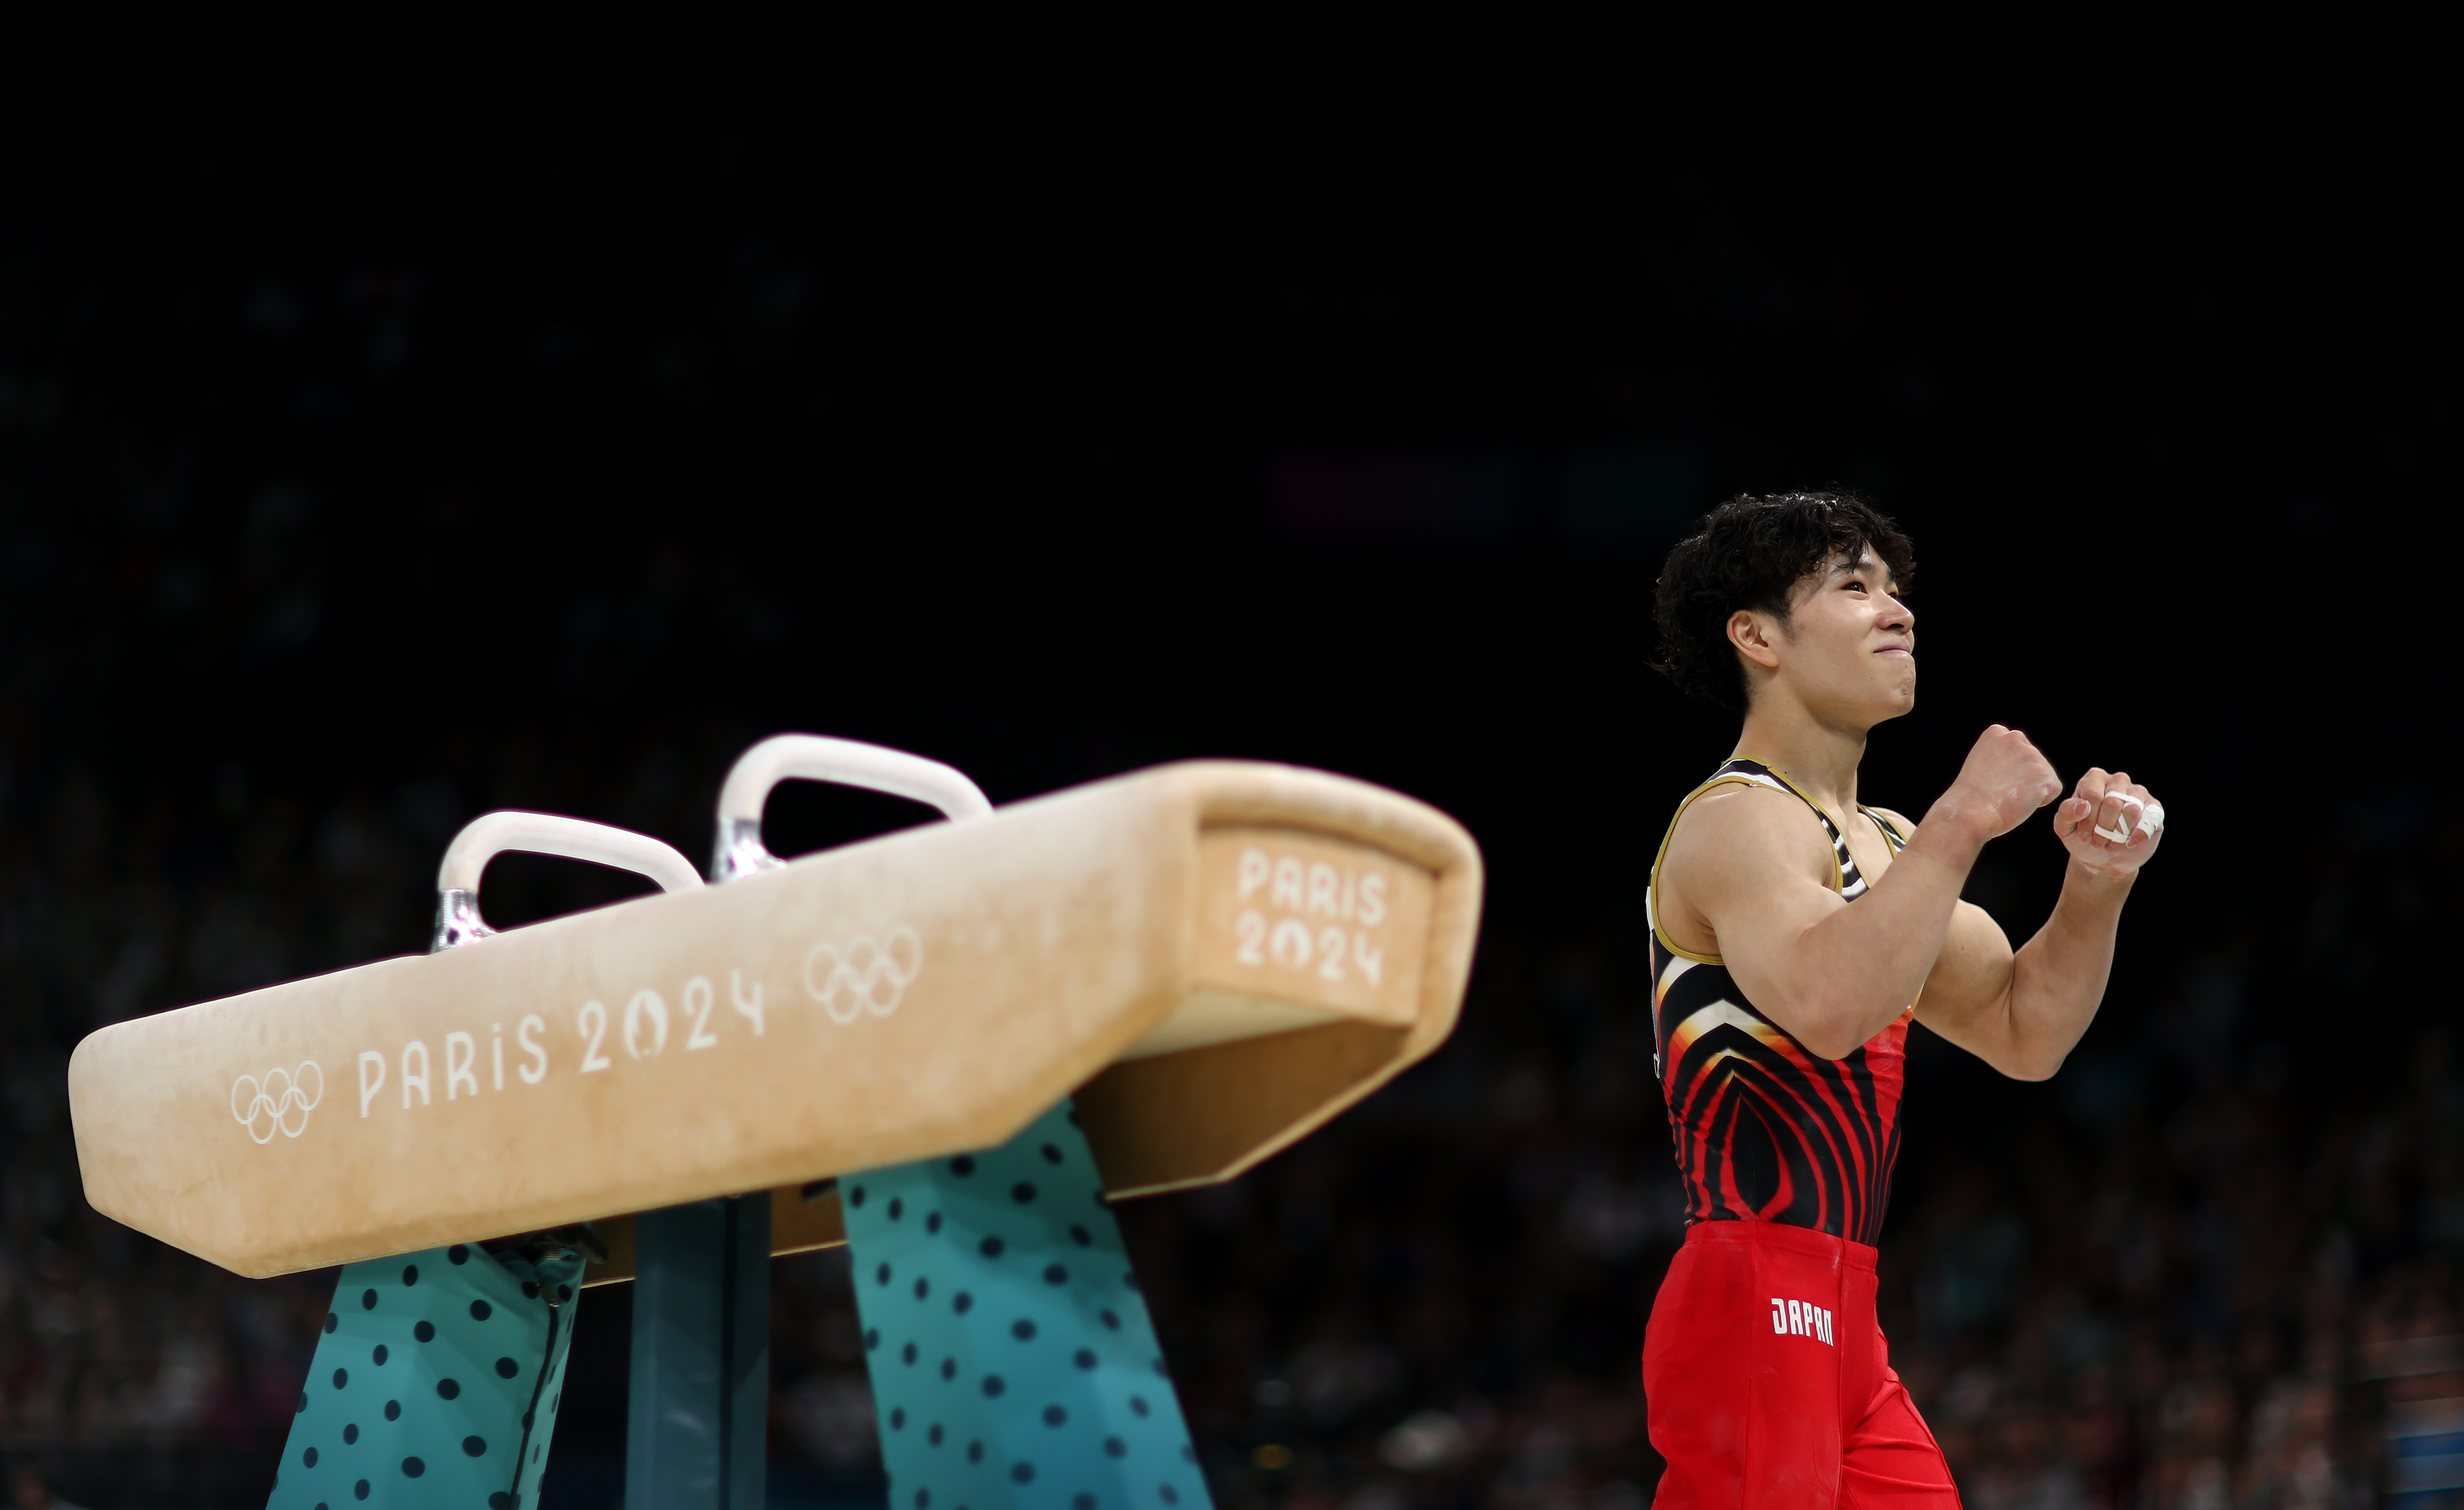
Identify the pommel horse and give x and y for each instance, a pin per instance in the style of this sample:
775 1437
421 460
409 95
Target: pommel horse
985 1027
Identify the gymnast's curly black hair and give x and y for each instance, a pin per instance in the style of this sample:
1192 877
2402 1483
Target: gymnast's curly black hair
1748 552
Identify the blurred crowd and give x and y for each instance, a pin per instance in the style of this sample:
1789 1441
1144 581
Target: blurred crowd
2214 1263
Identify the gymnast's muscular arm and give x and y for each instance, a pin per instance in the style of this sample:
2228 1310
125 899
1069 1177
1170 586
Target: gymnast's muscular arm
1748 872
2022 1013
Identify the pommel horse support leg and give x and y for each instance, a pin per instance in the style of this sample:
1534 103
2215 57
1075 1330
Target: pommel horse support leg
1012 1360
698 1402
1204 962
439 1373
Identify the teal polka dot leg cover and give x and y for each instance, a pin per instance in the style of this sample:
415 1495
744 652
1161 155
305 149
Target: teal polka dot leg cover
435 1384
1013 1364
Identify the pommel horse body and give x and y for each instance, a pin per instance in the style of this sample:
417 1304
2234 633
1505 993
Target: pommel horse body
1207 960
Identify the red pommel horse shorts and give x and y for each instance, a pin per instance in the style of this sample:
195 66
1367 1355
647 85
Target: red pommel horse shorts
1769 1386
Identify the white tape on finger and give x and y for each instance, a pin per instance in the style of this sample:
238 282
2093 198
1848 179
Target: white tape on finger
2120 832
2150 821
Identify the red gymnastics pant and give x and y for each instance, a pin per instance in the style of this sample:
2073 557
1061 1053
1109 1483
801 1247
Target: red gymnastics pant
1769 1383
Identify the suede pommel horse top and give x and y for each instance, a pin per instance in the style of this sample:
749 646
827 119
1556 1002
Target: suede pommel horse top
1214 957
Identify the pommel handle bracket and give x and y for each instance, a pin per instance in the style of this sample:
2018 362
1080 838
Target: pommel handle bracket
491 834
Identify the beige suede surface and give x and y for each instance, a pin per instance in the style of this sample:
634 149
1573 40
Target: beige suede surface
1215 957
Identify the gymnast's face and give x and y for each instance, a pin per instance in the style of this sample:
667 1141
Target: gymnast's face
1847 651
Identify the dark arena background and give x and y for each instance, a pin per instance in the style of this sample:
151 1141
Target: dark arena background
351 486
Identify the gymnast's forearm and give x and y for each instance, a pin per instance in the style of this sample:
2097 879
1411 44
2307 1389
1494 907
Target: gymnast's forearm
2057 978
1851 974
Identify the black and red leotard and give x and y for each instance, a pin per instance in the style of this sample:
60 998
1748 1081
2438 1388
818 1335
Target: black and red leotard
1765 1129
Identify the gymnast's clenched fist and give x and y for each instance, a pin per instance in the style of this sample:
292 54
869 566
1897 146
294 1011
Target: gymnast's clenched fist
2111 824
2002 781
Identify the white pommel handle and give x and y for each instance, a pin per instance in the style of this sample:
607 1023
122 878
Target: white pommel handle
846 763
491 834
843 762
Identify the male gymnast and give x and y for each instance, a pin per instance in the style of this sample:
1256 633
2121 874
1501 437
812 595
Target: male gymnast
1781 1012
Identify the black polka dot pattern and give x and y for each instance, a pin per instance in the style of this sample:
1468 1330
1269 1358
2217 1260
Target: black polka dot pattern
472 1421
1043 1359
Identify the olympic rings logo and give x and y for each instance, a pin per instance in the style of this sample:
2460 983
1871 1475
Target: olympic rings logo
271 1102
864 976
